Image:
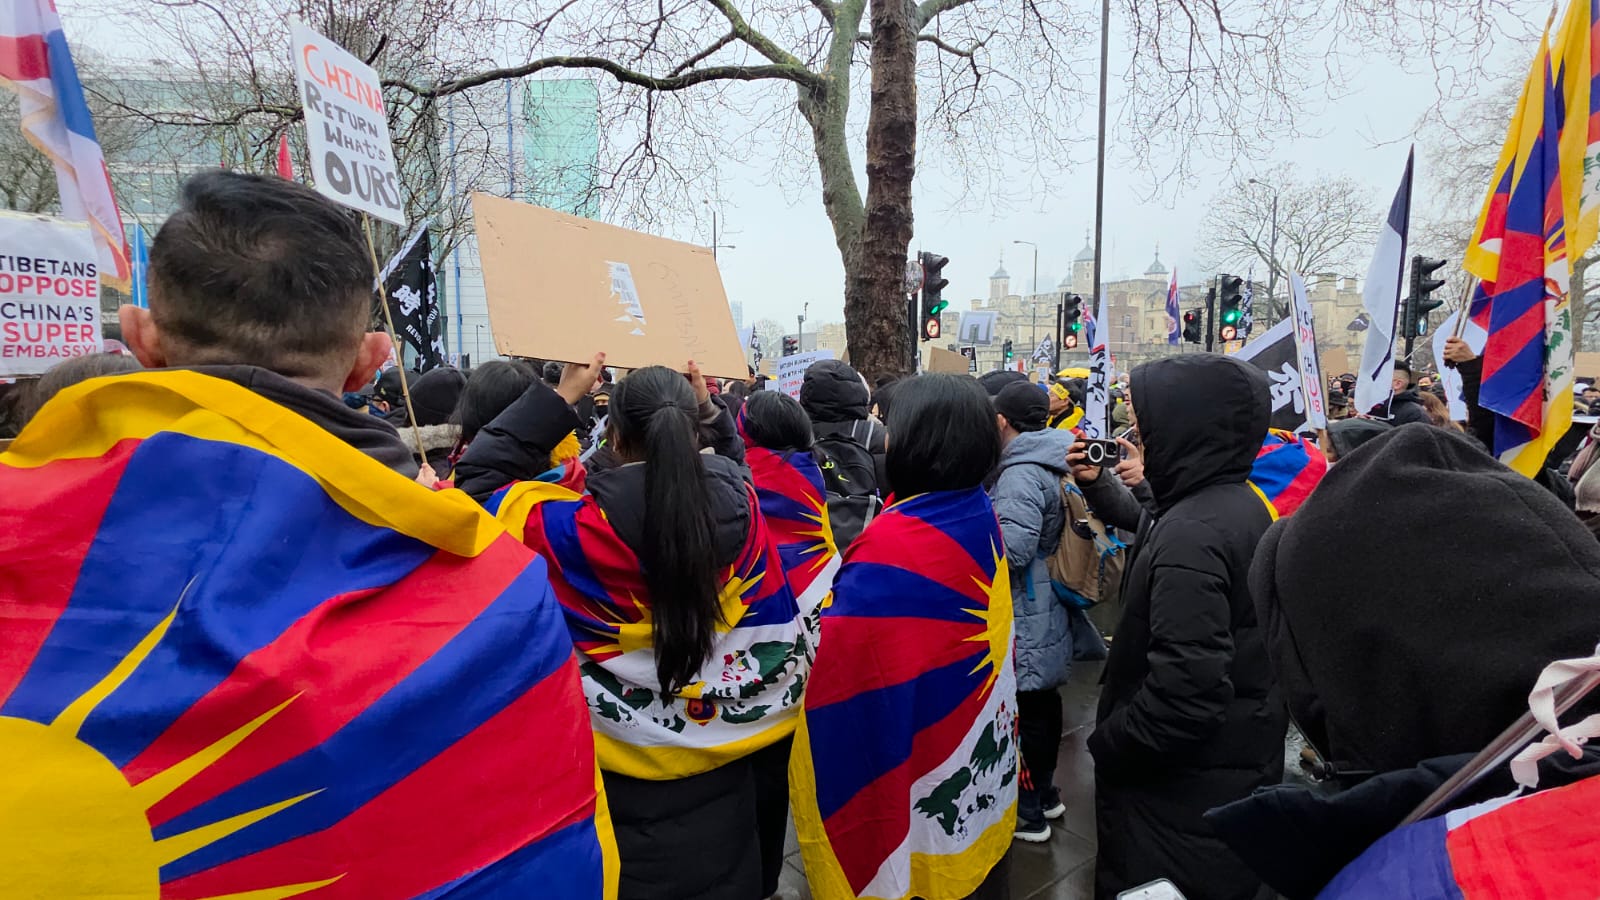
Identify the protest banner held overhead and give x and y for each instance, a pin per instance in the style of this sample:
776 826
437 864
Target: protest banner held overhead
1276 354
792 370
413 293
49 293
561 287
347 130
1305 336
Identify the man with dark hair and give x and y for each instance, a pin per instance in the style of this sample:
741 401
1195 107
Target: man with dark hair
1405 407
217 568
265 283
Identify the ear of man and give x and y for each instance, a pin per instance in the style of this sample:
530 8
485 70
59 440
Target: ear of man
140 333
370 354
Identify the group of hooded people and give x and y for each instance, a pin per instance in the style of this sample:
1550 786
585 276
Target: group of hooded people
1238 615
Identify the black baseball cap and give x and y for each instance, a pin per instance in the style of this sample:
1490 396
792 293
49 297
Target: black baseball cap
1024 405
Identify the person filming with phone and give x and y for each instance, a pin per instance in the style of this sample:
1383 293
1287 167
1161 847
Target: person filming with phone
1188 716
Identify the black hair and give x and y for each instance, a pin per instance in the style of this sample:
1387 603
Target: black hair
552 373
883 397
491 388
63 375
736 389
777 422
941 436
262 271
655 417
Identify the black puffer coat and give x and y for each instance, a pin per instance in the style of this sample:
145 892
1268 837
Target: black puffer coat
1188 716
839 405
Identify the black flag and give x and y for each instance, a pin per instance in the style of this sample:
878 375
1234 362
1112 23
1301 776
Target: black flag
1275 353
414 299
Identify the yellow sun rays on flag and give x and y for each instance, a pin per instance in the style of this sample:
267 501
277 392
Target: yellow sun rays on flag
75 828
996 618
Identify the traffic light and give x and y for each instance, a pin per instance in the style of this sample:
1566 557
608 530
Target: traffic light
1192 328
1071 321
1230 300
933 285
1006 349
791 346
1414 314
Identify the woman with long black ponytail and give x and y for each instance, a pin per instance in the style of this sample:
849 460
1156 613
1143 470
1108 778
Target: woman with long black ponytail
693 649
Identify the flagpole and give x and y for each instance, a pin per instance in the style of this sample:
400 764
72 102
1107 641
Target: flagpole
1100 184
388 320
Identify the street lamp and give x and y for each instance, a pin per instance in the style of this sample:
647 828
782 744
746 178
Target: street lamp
1033 301
714 243
1272 250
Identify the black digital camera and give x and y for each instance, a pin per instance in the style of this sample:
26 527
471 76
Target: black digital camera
1104 454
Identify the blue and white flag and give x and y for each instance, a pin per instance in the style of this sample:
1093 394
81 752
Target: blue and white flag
141 268
1380 298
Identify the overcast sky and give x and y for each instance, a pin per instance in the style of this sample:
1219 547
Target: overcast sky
784 256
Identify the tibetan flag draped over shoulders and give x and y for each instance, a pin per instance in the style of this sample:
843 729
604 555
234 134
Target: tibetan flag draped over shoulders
1539 845
36 64
745 698
1287 469
793 500
240 659
903 779
1520 255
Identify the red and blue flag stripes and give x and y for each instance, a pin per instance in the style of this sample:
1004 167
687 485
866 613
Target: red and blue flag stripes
917 641
747 695
36 64
1287 469
238 657
794 501
1541 845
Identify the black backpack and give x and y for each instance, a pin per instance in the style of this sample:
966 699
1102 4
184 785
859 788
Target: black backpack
851 479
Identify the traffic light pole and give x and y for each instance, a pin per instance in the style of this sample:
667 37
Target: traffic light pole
1061 311
1211 317
1408 321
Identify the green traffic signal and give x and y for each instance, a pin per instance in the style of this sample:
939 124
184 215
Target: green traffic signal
938 307
1232 316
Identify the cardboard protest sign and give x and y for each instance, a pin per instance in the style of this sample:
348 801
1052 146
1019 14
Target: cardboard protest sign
564 287
347 130
942 360
49 293
792 370
1335 361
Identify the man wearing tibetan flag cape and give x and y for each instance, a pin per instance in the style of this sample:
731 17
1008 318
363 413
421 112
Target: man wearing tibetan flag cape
240 656
695 651
904 776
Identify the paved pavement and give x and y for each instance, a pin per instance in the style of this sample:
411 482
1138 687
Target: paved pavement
1062 868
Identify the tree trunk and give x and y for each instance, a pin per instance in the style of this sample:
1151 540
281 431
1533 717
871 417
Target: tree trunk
875 299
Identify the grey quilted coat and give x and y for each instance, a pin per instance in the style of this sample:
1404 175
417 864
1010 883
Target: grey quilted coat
1027 498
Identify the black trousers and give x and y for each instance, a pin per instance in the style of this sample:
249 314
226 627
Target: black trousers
1039 721
771 770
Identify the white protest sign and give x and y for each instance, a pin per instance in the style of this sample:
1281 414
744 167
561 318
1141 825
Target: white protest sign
1305 336
1475 337
792 370
49 293
352 157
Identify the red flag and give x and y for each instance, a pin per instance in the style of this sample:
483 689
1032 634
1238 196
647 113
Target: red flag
285 166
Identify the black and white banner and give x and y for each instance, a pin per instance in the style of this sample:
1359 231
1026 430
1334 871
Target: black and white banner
1277 354
413 294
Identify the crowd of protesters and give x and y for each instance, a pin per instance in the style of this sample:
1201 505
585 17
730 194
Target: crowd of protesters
1246 603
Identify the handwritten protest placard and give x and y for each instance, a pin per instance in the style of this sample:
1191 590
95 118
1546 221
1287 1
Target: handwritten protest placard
792 370
347 130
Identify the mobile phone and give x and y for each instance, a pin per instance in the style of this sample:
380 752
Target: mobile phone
1104 454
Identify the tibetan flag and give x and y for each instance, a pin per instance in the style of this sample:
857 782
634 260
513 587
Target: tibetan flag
1520 255
793 500
238 658
1538 845
36 64
904 775
1287 469
746 697
1577 60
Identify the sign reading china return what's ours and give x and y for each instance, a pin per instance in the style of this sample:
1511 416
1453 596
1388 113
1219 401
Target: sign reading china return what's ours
347 130
49 293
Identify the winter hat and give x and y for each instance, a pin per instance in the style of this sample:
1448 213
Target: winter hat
1023 405
434 394
1346 435
389 388
1389 652
833 392
993 382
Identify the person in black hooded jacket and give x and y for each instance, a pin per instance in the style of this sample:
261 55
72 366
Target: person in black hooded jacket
1188 717
839 404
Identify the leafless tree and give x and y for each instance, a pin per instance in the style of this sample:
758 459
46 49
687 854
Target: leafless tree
989 87
1325 224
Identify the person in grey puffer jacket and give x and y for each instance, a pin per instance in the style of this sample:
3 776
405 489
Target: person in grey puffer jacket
1027 499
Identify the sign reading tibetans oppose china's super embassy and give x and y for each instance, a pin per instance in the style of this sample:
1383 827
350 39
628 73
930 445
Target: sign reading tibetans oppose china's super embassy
347 131
49 293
